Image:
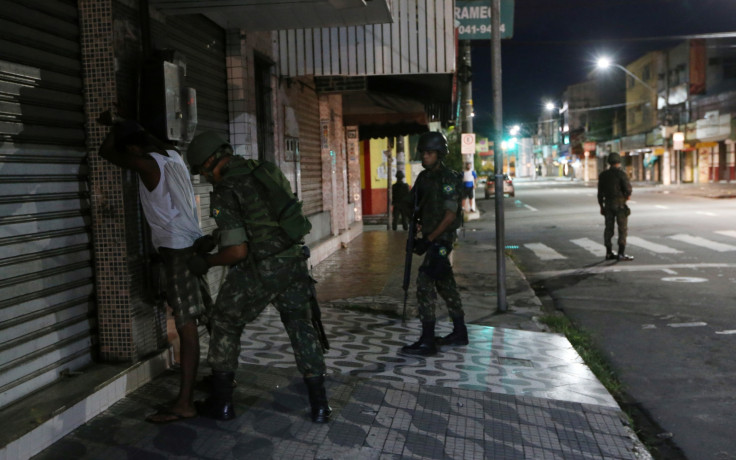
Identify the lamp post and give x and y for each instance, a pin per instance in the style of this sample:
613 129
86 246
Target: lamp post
604 63
555 132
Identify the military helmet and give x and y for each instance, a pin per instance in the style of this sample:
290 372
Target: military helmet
433 140
202 147
614 158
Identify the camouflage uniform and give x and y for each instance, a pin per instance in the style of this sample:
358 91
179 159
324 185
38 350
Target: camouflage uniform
614 188
438 191
274 272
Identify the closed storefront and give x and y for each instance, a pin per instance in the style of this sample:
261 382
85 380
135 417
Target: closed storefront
47 317
310 149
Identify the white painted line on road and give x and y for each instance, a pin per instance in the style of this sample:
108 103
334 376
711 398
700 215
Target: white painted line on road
693 324
625 267
731 233
648 245
685 279
591 246
531 208
544 252
661 206
727 332
702 242
648 326
706 213
669 272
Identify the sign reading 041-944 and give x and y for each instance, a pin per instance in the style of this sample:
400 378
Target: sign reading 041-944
473 19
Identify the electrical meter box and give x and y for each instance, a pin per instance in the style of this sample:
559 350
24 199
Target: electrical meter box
168 108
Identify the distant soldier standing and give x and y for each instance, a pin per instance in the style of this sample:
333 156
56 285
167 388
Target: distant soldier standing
400 202
437 194
266 266
614 190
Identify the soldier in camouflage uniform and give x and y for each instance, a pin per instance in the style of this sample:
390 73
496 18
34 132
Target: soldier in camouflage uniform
266 266
437 195
614 190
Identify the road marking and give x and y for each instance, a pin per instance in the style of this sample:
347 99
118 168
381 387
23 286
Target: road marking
591 246
648 326
531 208
702 242
727 332
617 267
669 272
706 213
731 233
661 206
648 245
544 252
685 279
693 324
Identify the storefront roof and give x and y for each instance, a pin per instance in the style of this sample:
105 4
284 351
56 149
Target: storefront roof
253 15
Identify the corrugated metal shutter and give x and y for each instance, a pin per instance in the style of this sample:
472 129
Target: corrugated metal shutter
418 41
202 42
310 150
46 271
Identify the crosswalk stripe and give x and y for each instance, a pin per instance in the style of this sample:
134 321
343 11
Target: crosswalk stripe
591 246
544 252
702 242
648 245
731 233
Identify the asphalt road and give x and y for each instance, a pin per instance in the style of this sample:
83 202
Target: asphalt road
666 320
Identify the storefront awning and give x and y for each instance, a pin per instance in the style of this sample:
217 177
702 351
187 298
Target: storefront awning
252 15
381 115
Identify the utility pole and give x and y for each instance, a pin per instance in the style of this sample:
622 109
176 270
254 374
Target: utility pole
497 153
467 88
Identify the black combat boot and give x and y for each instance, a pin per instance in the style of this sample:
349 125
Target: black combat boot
426 345
610 255
318 399
459 334
219 405
622 256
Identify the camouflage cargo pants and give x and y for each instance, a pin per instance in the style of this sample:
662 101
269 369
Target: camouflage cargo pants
248 289
618 217
436 277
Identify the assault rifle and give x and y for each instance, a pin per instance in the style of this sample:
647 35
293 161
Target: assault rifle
314 306
409 253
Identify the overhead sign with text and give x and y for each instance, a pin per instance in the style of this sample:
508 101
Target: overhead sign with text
473 19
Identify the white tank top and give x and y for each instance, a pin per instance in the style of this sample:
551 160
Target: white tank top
170 208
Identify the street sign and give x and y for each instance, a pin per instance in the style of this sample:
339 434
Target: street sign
473 19
467 143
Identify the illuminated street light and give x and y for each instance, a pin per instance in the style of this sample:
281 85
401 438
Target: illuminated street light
604 63
550 106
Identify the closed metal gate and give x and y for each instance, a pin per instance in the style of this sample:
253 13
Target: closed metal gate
47 320
202 43
310 151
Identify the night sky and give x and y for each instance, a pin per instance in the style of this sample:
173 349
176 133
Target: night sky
556 43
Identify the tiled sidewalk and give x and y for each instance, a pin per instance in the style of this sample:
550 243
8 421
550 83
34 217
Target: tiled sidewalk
510 394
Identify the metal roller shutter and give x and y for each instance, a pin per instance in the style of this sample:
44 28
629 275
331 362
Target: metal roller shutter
202 42
47 321
310 151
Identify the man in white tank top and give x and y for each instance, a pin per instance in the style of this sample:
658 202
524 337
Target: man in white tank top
167 199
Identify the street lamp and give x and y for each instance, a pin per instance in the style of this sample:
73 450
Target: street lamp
604 63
